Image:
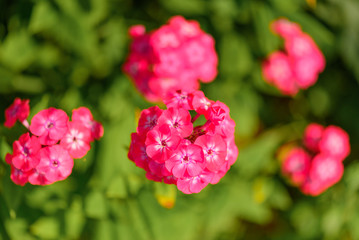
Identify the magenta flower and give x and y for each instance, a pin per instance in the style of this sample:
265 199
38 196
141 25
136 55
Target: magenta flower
170 149
25 152
77 140
285 28
214 149
312 136
178 119
50 125
296 166
18 176
160 142
201 104
325 171
84 116
18 110
148 119
299 65
335 142
56 164
176 56
37 178
178 99
186 161
137 152
194 184
277 70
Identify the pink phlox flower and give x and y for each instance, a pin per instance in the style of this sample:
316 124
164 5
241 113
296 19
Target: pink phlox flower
277 70
18 176
232 151
302 45
8 158
153 177
25 152
186 161
176 56
170 179
164 37
285 28
194 184
306 74
170 64
312 135
37 178
312 187
136 31
77 140
159 85
214 150
137 152
138 68
201 104
326 169
186 29
161 142
84 116
56 163
218 112
335 142
18 110
158 169
178 119
179 99
296 166
148 119
50 125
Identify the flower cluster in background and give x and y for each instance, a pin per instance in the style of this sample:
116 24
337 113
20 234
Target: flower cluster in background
319 166
299 65
171 147
175 56
45 154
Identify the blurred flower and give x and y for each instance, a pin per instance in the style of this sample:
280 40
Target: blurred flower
315 173
170 149
175 56
299 66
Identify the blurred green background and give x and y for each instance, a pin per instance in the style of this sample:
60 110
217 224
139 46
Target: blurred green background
69 53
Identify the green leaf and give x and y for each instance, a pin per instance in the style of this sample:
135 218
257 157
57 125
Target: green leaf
117 188
96 205
46 228
18 50
28 84
75 219
185 6
17 229
235 55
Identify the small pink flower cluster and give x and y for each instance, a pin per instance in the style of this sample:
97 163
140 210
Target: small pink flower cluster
175 56
299 66
318 170
169 147
45 154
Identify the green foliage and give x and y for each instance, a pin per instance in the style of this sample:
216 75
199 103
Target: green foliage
69 53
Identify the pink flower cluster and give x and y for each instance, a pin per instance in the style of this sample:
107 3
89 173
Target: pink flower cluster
45 154
171 148
321 166
299 65
175 56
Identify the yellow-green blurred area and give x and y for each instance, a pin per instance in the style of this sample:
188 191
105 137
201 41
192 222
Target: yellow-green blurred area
69 53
